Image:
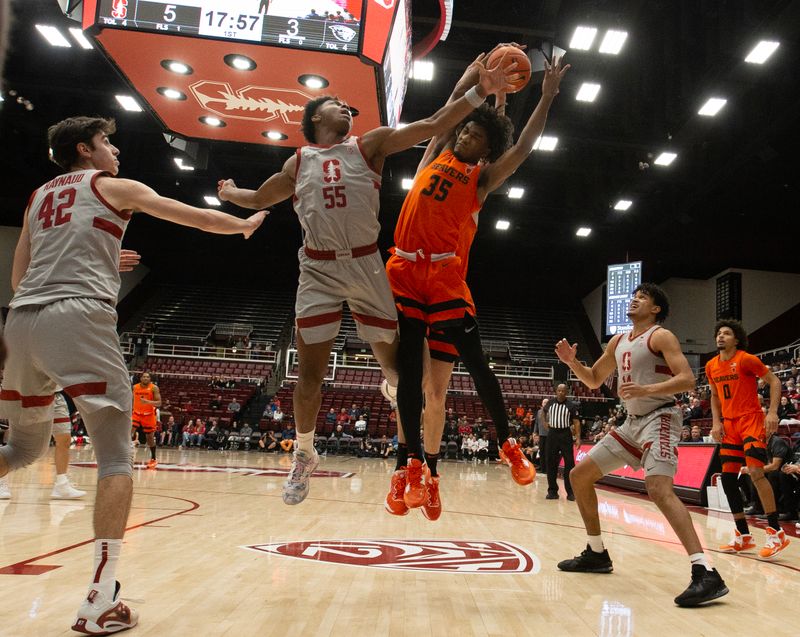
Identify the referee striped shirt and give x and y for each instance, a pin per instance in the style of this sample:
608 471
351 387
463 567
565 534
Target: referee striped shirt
560 415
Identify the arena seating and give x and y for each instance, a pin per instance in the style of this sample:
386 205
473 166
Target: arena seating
208 368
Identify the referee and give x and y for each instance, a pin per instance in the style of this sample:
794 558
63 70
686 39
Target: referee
563 425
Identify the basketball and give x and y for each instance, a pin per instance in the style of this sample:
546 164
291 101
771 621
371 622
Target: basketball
522 74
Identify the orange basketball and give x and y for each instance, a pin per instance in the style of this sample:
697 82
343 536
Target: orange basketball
521 74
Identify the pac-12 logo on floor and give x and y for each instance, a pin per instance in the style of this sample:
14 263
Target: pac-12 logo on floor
454 556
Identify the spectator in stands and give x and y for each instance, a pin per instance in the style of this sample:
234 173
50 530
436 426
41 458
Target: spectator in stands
343 418
540 428
287 438
696 434
787 413
482 449
384 447
534 452
354 412
246 432
686 434
234 408
338 436
277 416
519 412
603 432
696 411
212 434
216 382
199 435
780 453
268 442
360 428
330 417
216 403
366 449
188 432
468 446
166 432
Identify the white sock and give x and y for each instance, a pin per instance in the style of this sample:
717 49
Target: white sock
106 556
305 441
699 558
596 543
61 478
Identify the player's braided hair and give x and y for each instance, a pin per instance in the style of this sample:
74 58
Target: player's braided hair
499 129
737 328
64 137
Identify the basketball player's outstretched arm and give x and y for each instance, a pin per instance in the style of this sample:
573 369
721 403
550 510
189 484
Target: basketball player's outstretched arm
274 190
667 344
493 176
384 141
591 377
126 194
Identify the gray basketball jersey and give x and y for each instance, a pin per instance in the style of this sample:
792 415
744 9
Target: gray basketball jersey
638 363
75 239
337 196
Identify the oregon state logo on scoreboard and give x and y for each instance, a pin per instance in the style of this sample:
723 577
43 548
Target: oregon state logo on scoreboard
259 103
454 556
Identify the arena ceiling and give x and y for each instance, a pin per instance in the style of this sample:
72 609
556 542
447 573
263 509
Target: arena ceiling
730 199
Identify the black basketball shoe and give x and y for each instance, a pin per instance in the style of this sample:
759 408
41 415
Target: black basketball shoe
705 586
588 562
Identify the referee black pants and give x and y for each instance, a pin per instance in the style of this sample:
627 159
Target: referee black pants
559 445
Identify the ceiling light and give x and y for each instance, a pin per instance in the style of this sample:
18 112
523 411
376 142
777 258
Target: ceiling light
502 224
179 163
177 67
274 135
613 41
712 106
239 62
53 36
762 51
313 81
406 183
212 201
583 231
128 103
545 143
170 93
587 92
582 38
81 39
210 120
422 71
665 159
623 204
515 192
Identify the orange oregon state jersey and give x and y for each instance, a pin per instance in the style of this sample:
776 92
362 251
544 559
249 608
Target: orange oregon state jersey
442 199
147 393
736 382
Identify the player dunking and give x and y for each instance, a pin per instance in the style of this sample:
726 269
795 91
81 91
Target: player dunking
335 181
61 331
427 273
651 370
732 376
146 398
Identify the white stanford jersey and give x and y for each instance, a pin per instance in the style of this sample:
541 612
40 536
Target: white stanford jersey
638 363
337 196
75 242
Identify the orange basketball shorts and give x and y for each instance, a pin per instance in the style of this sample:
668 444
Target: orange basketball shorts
744 442
146 421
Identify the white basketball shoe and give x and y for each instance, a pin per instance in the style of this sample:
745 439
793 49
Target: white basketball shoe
100 616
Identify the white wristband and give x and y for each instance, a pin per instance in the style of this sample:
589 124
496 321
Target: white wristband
473 98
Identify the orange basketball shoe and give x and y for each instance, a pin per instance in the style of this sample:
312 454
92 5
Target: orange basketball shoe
739 543
522 470
394 502
776 542
152 464
432 508
415 493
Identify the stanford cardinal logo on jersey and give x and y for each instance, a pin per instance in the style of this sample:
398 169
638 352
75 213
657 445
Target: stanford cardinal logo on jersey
119 9
331 171
455 556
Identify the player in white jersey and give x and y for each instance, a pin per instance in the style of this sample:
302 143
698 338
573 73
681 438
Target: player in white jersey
335 181
651 370
61 330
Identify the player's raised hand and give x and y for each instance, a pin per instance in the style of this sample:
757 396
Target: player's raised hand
496 79
224 188
128 260
553 73
255 221
566 353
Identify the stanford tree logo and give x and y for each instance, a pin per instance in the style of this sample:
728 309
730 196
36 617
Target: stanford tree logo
454 556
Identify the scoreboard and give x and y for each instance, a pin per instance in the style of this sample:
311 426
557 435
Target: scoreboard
280 23
622 280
